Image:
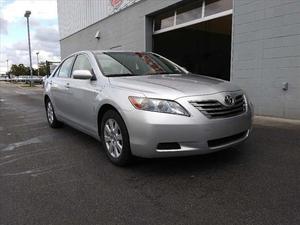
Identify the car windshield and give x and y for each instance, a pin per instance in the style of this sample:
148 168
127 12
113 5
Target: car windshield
134 64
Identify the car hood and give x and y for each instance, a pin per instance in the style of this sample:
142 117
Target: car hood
173 86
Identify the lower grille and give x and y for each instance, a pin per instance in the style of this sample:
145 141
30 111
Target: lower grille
226 140
168 146
214 109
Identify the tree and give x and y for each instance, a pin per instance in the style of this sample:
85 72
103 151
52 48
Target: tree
43 69
19 70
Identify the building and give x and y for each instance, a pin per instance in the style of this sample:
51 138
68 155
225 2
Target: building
253 43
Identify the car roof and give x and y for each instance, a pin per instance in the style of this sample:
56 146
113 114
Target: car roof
91 52
103 51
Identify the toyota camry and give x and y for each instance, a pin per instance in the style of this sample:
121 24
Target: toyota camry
142 104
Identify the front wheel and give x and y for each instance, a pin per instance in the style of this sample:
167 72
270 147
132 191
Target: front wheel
115 138
52 121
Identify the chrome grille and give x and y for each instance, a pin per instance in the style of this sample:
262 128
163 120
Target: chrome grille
214 109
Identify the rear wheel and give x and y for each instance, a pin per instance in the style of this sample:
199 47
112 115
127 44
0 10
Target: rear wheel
115 138
52 120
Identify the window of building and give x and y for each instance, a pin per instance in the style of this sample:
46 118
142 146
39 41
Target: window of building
189 12
192 11
217 6
164 20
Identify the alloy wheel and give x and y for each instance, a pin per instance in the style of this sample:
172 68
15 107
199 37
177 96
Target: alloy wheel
113 138
50 112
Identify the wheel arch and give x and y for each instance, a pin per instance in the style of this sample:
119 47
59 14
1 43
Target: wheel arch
46 98
103 109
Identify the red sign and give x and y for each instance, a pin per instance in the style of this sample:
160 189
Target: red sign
116 3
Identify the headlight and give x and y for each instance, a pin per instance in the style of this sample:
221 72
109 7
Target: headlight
158 105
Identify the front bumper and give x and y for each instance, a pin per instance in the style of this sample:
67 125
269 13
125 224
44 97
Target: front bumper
196 134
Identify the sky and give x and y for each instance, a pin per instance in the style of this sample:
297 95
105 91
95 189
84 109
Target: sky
13 32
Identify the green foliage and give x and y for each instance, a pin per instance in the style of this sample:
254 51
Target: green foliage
21 70
43 69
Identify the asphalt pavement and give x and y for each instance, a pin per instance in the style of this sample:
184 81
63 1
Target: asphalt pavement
62 176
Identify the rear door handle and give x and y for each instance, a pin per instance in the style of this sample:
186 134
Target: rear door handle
67 85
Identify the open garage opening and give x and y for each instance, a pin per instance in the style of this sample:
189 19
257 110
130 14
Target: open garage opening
203 48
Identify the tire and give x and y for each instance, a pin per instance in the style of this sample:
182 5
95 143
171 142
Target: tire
115 138
50 114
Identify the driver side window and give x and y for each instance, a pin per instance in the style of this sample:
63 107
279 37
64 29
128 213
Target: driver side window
82 63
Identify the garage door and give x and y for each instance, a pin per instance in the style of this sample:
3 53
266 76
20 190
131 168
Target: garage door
196 35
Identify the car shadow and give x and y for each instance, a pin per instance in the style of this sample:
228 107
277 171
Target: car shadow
189 164
166 166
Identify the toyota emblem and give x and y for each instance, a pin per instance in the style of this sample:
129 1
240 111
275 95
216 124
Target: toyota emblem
229 100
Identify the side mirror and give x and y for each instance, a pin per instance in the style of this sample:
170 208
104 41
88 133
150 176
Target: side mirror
82 74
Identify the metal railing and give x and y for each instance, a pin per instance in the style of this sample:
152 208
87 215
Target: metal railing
23 79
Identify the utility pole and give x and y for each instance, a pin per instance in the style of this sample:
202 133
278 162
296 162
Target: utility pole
37 59
27 15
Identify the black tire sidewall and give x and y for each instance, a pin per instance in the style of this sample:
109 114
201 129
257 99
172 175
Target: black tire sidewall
55 123
125 156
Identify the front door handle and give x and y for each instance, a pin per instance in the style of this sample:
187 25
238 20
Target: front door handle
67 85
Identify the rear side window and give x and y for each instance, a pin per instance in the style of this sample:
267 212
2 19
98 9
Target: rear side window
66 67
82 63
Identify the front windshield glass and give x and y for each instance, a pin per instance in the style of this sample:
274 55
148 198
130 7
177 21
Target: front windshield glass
134 64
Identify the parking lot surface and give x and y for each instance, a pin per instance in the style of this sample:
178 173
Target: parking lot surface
62 176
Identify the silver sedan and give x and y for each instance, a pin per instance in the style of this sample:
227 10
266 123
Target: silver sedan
142 104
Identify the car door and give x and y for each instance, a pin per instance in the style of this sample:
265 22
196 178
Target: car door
82 103
60 88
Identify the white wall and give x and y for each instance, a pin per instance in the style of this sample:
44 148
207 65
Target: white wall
266 46
122 31
74 15
266 53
